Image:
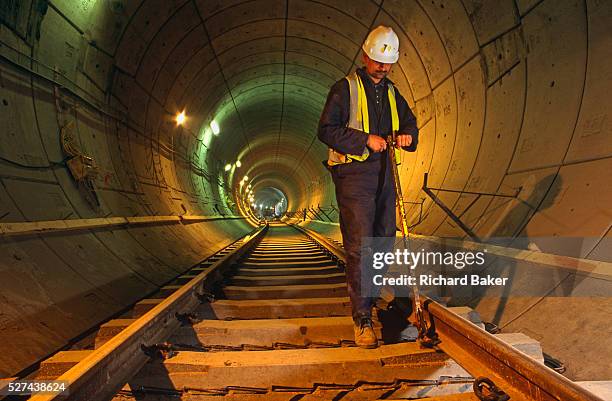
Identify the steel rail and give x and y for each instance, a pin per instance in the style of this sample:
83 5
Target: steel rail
336 251
103 372
483 354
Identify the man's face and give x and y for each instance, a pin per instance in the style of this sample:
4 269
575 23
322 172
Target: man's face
375 69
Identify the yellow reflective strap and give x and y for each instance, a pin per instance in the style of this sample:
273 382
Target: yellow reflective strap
362 117
363 106
393 106
394 120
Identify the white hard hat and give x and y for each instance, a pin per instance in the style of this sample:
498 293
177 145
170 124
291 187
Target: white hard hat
382 45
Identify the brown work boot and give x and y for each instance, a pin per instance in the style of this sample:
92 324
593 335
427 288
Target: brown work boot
365 337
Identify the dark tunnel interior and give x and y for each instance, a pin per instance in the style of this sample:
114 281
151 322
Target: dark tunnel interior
511 99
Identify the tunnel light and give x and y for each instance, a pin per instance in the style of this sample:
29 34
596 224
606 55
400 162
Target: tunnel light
246 177
214 126
228 167
180 118
238 163
249 186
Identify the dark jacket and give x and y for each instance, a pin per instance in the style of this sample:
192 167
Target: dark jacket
334 118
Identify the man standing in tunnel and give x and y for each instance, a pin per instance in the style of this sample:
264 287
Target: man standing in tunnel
362 109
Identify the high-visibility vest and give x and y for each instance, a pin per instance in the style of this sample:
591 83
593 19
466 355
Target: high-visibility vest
359 119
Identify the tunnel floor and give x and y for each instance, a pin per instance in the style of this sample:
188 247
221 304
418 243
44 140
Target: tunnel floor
275 325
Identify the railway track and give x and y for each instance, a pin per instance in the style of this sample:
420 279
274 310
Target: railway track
268 318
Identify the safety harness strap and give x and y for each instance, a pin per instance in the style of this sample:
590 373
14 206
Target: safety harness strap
394 119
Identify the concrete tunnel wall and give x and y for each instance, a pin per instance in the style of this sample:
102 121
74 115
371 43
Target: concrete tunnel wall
508 94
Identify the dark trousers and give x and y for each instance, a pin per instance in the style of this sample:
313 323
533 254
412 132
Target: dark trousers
365 194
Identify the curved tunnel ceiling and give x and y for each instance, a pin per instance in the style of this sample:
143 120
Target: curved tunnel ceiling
479 76
510 96
262 71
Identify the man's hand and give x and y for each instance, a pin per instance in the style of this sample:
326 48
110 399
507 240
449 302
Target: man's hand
403 140
376 143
